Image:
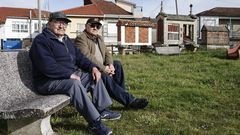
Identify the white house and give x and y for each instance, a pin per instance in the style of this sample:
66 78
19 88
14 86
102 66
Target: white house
130 7
221 16
19 23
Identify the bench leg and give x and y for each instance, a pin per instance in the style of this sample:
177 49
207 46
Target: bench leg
195 49
30 126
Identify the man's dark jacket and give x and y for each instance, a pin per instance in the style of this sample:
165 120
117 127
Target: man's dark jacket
52 59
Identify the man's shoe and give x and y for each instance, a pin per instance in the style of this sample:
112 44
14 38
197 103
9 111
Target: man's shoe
138 103
107 114
99 128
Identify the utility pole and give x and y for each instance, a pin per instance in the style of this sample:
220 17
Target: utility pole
30 17
39 17
176 7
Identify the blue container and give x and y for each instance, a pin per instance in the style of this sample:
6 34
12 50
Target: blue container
12 44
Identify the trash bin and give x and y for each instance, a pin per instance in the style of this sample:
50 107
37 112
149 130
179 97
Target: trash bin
12 44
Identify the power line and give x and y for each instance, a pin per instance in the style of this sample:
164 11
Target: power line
46 5
155 9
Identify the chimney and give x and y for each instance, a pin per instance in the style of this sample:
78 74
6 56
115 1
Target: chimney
161 10
190 9
87 2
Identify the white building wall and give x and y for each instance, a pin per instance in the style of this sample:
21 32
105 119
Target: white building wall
208 21
1 34
126 7
72 28
122 35
150 31
1 31
18 35
109 31
8 32
137 12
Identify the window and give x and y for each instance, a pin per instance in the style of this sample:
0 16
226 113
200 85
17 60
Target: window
210 22
173 31
110 30
18 26
15 27
173 36
36 26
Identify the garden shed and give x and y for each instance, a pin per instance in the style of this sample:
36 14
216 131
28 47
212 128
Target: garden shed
215 35
174 29
136 33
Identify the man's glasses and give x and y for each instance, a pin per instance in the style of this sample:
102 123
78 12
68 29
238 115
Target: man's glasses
58 22
95 25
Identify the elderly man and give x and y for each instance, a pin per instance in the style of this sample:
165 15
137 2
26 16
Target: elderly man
60 68
92 46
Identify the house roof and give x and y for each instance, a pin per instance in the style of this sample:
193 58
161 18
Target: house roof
214 28
108 7
91 9
6 12
177 17
221 11
135 23
97 7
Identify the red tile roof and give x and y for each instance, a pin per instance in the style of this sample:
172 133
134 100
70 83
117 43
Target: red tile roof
135 23
84 10
222 12
19 13
108 7
97 7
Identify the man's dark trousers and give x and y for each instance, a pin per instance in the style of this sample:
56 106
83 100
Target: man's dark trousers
77 90
118 77
116 91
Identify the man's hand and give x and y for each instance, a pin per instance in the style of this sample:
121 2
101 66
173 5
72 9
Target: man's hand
112 69
96 74
75 77
107 69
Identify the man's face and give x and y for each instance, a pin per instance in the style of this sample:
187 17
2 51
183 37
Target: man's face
58 27
93 28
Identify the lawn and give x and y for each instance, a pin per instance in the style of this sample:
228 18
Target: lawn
189 94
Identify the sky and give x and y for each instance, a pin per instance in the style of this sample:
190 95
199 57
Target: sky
150 7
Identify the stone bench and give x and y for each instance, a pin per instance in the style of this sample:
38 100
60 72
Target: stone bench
22 111
124 51
167 50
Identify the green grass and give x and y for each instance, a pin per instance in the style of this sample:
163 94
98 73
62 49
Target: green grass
190 94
